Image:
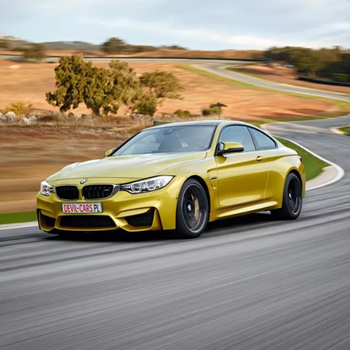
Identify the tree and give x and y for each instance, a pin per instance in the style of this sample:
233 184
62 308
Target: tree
182 113
4 44
278 54
174 47
206 112
323 62
35 52
114 45
306 61
217 108
108 89
146 104
72 75
96 94
214 109
101 89
162 84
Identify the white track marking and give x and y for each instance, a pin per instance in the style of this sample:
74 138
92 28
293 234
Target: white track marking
17 226
340 170
336 130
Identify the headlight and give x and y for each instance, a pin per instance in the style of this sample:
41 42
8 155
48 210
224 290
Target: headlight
148 185
46 189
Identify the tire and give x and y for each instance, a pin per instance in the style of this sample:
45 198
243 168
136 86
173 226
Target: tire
292 199
192 212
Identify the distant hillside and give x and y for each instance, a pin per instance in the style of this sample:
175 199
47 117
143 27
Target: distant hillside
58 48
12 43
18 44
71 45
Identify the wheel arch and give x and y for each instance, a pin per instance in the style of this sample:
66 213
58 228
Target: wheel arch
296 172
205 187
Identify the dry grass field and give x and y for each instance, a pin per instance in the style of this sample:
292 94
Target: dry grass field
28 154
238 54
29 82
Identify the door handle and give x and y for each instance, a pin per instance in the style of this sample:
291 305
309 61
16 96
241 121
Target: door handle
259 158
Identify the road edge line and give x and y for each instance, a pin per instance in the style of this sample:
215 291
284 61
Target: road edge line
339 169
18 225
336 130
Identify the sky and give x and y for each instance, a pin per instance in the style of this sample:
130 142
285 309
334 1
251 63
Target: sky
195 24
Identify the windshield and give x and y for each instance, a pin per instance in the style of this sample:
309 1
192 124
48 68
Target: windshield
170 139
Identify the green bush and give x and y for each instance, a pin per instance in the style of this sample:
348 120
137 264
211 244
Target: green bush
34 52
146 104
20 108
114 45
161 83
182 113
212 110
341 77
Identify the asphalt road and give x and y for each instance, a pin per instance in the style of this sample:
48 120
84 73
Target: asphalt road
220 69
247 283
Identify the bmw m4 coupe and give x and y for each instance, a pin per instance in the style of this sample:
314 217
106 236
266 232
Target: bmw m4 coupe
177 176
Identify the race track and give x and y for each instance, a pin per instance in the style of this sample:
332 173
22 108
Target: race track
247 283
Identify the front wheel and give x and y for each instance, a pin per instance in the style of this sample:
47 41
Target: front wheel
192 212
292 199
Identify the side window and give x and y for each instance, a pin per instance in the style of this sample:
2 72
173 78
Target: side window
238 134
262 141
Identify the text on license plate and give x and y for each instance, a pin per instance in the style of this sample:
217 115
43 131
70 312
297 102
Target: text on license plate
81 208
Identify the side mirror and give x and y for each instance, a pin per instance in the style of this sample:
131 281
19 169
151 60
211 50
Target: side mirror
109 152
229 147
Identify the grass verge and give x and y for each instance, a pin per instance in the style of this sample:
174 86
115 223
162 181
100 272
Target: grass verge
11 218
345 130
313 165
192 69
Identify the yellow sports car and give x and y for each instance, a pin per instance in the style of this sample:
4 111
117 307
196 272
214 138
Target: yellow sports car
176 176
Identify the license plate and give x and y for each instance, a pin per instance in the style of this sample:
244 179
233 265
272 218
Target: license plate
81 208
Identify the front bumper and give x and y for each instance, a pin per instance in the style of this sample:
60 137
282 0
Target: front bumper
131 212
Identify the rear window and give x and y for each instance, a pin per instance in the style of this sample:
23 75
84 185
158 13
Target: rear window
262 141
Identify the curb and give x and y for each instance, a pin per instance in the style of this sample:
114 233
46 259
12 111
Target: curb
324 179
336 131
18 225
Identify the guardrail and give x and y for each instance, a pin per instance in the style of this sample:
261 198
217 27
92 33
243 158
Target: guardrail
322 81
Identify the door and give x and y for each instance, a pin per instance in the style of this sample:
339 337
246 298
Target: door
242 176
269 160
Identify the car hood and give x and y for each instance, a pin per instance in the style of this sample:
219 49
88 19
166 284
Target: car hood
126 167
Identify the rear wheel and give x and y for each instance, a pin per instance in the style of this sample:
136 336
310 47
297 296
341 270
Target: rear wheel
192 211
292 199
